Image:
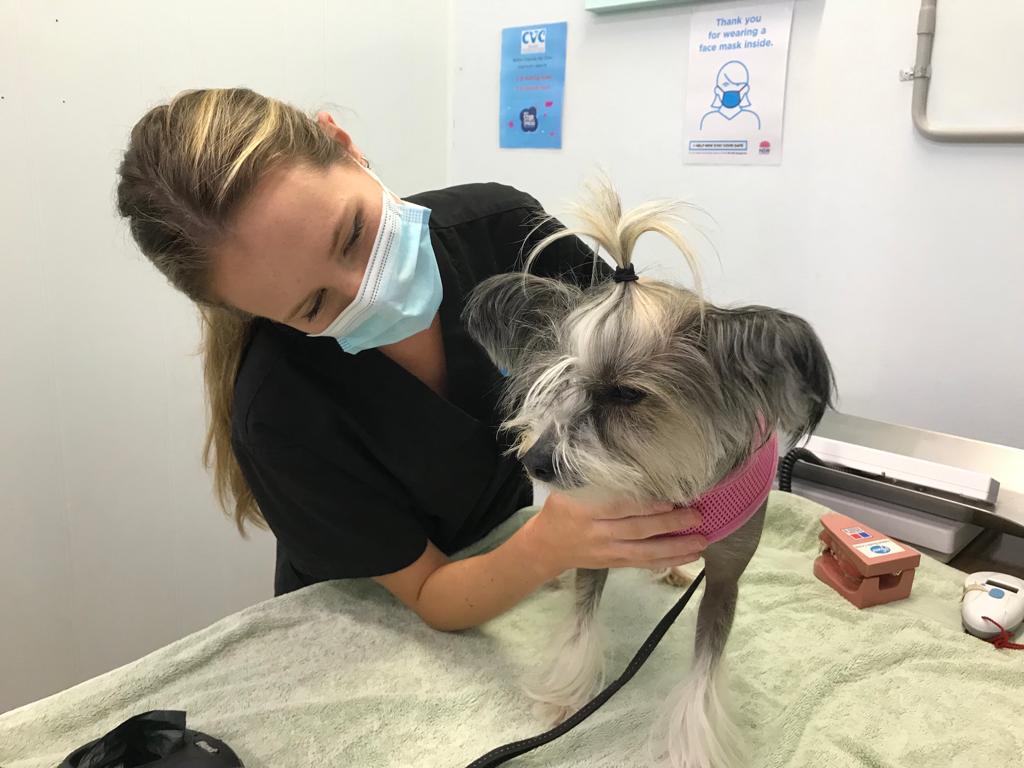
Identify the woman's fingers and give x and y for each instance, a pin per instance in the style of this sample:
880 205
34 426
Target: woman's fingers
646 526
617 509
672 549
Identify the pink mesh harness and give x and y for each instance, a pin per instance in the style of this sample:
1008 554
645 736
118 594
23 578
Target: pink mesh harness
741 493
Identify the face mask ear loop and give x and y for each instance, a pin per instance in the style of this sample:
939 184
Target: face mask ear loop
375 177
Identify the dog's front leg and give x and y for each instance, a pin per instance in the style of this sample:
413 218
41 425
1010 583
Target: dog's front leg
574 672
697 730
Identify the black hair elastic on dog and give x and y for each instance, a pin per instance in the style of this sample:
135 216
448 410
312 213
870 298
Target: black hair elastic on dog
625 274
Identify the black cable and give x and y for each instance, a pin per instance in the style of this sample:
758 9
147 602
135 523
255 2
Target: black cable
787 463
513 749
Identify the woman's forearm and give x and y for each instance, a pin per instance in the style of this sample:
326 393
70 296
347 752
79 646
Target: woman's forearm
466 593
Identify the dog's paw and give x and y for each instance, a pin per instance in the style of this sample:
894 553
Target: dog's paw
551 713
697 728
674 576
553 706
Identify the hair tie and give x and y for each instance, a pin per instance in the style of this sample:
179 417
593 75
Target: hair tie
624 274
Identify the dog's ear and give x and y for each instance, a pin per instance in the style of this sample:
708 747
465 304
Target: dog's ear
516 313
775 358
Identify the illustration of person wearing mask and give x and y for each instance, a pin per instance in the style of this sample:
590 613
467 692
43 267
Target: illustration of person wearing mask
732 99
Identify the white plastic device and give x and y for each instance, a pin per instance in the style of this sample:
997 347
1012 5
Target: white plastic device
942 477
998 596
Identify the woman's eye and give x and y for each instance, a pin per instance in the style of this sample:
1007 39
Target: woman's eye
318 303
357 230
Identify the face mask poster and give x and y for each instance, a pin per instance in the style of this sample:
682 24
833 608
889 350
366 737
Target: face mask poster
736 85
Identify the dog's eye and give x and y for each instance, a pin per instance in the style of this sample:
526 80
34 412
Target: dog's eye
625 395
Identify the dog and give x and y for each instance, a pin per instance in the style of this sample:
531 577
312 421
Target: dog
640 389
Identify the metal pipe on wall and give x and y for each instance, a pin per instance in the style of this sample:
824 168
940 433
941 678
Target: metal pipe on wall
921 75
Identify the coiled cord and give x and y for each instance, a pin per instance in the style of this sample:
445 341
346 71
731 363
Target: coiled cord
787 463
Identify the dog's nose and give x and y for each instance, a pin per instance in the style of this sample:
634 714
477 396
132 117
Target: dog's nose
538 461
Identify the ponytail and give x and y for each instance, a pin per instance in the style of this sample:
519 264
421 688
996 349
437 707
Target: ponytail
225 334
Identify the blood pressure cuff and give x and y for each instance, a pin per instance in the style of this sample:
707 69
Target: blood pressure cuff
156 739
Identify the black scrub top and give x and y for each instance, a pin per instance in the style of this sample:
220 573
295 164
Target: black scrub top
354 462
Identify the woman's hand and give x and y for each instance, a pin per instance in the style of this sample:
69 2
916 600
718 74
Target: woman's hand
567 533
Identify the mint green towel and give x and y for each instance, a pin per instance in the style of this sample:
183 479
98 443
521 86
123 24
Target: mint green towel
340 674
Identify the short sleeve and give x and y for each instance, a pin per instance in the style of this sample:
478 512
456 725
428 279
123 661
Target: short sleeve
336 518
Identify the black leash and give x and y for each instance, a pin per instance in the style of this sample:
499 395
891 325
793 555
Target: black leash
514 749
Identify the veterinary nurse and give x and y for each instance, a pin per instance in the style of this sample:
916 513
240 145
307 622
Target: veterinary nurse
350 411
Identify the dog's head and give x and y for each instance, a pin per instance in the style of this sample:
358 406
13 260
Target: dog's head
640 388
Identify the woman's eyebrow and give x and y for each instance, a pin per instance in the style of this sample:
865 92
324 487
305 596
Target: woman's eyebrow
339 229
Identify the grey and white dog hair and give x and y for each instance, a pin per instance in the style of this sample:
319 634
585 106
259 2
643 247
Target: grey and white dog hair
644 390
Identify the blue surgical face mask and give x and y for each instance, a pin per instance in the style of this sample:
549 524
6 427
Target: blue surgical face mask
731 99
401 288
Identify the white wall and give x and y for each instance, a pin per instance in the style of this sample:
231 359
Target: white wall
110 543
906 255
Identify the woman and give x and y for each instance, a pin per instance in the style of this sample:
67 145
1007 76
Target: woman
350 411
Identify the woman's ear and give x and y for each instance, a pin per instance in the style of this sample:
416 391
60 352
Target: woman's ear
338 134
514 314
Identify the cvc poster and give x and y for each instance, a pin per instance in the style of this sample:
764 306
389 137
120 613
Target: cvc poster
532 86
736 85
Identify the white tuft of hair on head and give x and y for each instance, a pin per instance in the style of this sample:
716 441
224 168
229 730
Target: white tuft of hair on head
616 231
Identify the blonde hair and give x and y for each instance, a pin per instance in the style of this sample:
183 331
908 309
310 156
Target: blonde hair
604 222
189 165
